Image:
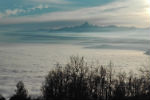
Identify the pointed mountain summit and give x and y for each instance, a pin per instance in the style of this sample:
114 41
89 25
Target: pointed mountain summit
86 24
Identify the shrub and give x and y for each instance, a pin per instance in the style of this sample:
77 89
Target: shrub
21 92
1 97
69 82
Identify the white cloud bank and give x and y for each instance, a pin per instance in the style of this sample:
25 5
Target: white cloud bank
122 13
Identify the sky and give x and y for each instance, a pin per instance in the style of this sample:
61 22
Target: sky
130 13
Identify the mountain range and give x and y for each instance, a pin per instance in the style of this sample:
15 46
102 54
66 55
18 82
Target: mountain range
86 27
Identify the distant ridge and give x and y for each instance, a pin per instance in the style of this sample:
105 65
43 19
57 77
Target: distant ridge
86 27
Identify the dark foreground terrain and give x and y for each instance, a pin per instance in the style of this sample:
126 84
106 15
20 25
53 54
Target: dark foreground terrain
77 81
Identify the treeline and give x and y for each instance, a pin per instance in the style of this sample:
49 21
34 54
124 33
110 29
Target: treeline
77 80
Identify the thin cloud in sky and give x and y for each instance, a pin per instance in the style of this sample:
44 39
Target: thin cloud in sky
9 12
40 7
52 1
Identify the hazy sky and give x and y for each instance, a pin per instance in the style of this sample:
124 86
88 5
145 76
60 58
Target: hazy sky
100 12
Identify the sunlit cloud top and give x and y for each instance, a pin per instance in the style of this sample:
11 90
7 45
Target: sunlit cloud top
134 13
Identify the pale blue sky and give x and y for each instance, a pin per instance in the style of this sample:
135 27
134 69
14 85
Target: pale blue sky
100 12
